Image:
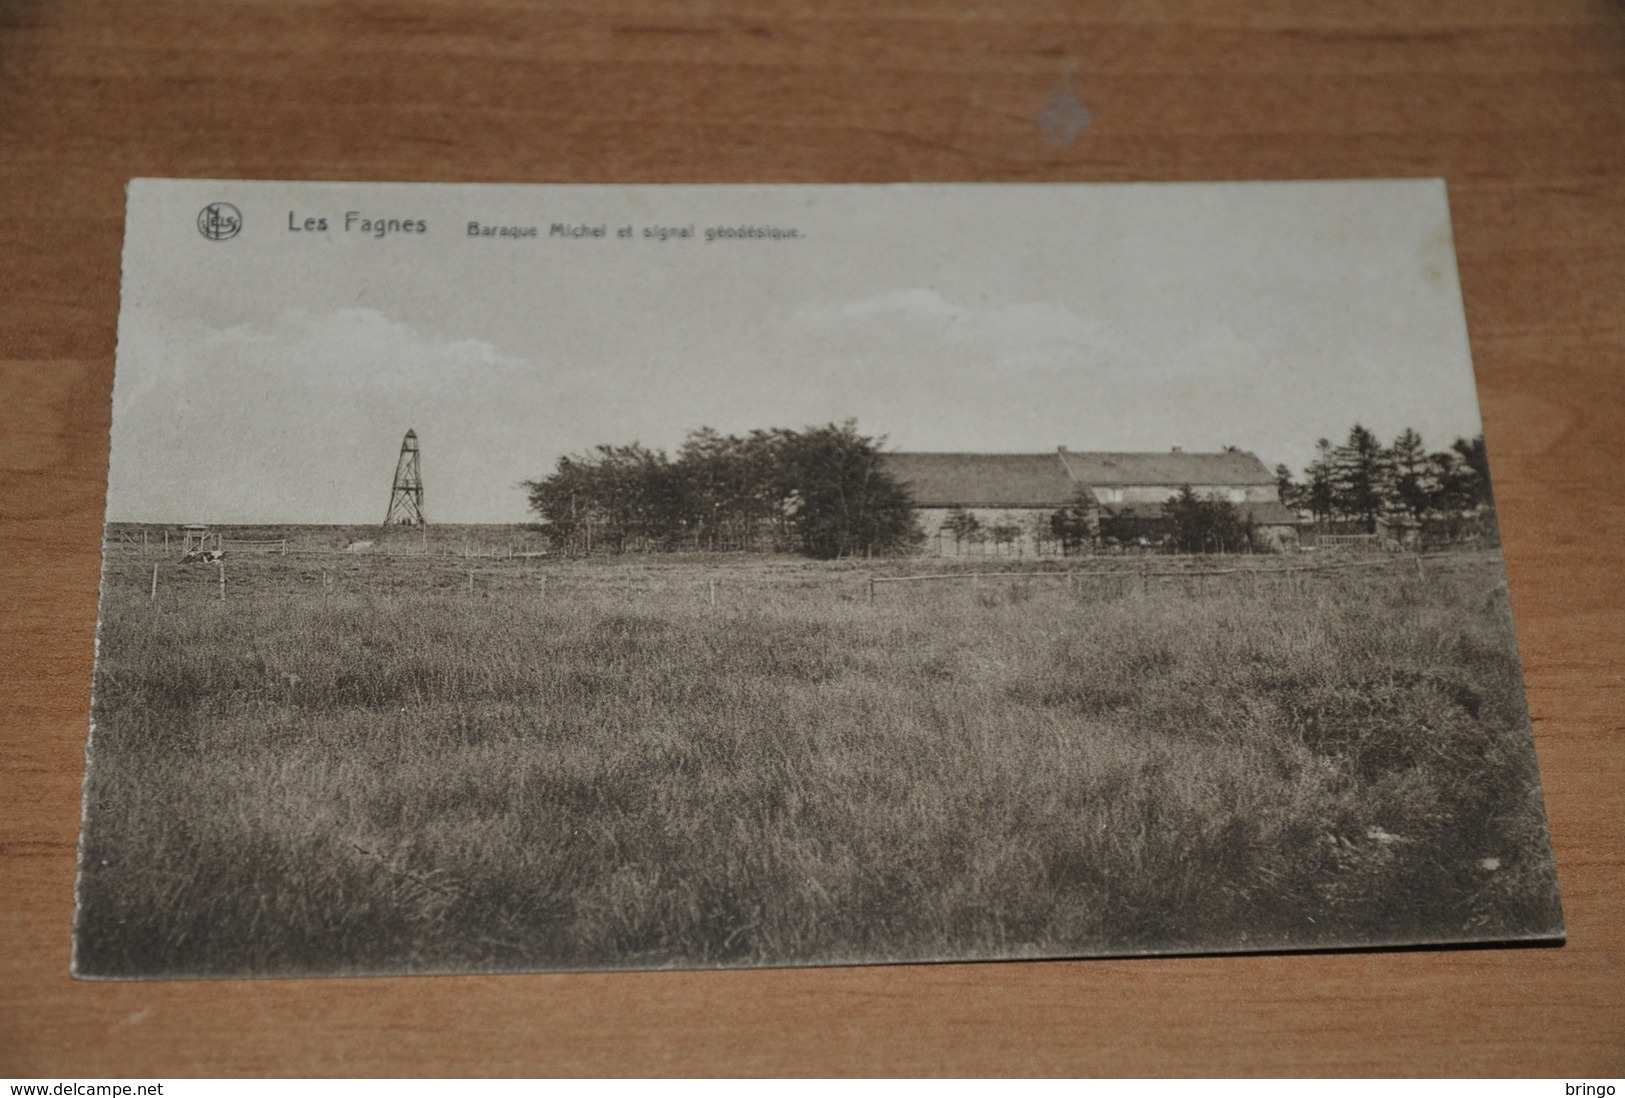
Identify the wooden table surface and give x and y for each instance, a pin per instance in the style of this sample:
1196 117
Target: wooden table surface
1519 104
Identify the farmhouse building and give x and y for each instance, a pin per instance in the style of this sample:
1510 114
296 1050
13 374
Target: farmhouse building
1005 504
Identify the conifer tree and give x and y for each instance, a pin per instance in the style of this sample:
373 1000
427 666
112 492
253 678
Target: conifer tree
1318 492
1411 474
1360 480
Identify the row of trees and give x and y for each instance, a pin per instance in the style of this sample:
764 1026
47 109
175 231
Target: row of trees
1199 525
1187 523
1362 480
965 528
820 491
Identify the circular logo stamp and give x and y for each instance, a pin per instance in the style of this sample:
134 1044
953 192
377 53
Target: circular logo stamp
220 221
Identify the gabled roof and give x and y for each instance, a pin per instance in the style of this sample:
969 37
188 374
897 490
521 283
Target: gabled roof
1056 479
983 480
1172 469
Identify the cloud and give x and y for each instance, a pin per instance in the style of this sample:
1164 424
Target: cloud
292 418
1019 331
1029 325
912 303
355 346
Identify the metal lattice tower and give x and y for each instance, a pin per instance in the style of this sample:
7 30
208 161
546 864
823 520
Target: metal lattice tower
406 497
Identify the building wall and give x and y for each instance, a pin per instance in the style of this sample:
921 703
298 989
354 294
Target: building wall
1034 538
1161 493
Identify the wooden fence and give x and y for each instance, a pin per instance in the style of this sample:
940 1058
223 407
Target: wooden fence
1369 542
1145 575
519 576
244 545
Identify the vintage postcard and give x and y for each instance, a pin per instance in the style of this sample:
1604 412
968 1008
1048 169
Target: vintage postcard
515 578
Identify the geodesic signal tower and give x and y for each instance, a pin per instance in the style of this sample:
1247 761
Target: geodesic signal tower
406 497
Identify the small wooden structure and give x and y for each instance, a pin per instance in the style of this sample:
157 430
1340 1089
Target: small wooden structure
197 538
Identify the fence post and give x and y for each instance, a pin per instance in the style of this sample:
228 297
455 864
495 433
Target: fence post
220 564
871 590
713 594
1071 582
1421 575
471 581
155 585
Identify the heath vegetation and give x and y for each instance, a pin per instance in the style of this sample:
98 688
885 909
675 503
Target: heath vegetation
362 766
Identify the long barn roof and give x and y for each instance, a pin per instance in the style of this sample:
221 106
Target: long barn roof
1173 469
1054 479
983 480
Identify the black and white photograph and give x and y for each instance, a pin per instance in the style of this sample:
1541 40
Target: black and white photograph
507 578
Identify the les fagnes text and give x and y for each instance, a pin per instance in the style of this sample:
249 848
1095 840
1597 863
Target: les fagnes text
355 221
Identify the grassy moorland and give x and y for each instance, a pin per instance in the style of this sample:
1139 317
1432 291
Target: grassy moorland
358 766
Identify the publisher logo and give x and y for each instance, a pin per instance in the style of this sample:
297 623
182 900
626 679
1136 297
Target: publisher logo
220 221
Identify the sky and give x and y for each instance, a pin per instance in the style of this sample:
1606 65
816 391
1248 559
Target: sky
269 377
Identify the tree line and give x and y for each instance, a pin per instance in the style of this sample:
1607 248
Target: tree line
820 491
1361 481
823 492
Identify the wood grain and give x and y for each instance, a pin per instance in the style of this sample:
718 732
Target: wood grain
1519 104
